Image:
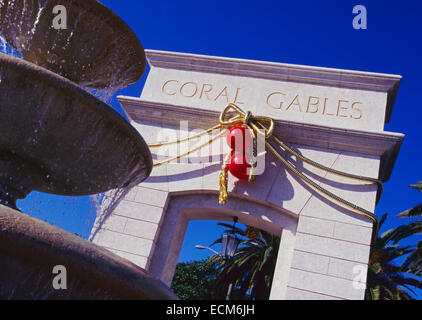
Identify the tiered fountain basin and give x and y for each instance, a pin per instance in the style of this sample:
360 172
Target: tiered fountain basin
67 140
57 138
60 139
97 50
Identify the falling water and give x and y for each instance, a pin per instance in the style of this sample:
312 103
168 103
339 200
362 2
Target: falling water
6 49
106 204
74 214
72 137
28 24
103 94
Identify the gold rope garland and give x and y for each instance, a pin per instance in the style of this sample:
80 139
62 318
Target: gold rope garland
256 124
160 144
210 141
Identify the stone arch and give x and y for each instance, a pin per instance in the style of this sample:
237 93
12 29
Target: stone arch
183 207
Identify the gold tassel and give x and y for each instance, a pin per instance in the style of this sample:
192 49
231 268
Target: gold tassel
254 158
224 179
251 177
223 196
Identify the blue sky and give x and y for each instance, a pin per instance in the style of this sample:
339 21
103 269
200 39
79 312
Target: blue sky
317 33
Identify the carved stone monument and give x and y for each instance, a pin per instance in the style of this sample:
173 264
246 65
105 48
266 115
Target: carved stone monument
335 117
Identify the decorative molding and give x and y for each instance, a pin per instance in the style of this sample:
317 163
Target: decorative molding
385 145
280 72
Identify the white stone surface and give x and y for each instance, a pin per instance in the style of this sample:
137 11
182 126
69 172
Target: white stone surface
332 247
284 264
347 270
327 285
114 223
148 230
298 294
310 262
150 196
315 226
139 211
324 245
287 99
352 233
124 242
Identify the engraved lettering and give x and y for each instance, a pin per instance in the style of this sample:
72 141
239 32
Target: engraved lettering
340 108
315 105
237 97
185 88
359 111
269 100
325 108
223 93
165 85
206 89
295 102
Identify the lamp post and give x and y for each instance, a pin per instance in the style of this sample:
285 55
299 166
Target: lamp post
207 248
229 244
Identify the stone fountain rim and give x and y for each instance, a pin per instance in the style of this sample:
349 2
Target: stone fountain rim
38 242
56 81
127 31
121 28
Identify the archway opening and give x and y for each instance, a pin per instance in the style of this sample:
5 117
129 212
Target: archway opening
184 207
202 274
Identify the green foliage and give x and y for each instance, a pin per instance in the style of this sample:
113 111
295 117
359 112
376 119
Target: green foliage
417 210
388 279
194 281
394 271
251 269
413 262
417 186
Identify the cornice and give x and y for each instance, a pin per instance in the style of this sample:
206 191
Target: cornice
280 72
385 145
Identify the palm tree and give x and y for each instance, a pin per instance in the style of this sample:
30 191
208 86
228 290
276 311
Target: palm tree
252 267
387 279
413 262
417 210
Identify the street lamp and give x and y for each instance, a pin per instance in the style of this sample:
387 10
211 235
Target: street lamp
229 244
204 247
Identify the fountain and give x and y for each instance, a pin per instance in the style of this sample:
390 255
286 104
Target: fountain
57 138
97 50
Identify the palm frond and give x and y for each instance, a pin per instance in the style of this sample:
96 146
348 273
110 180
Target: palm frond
251 268
417 186
416 211
407 230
